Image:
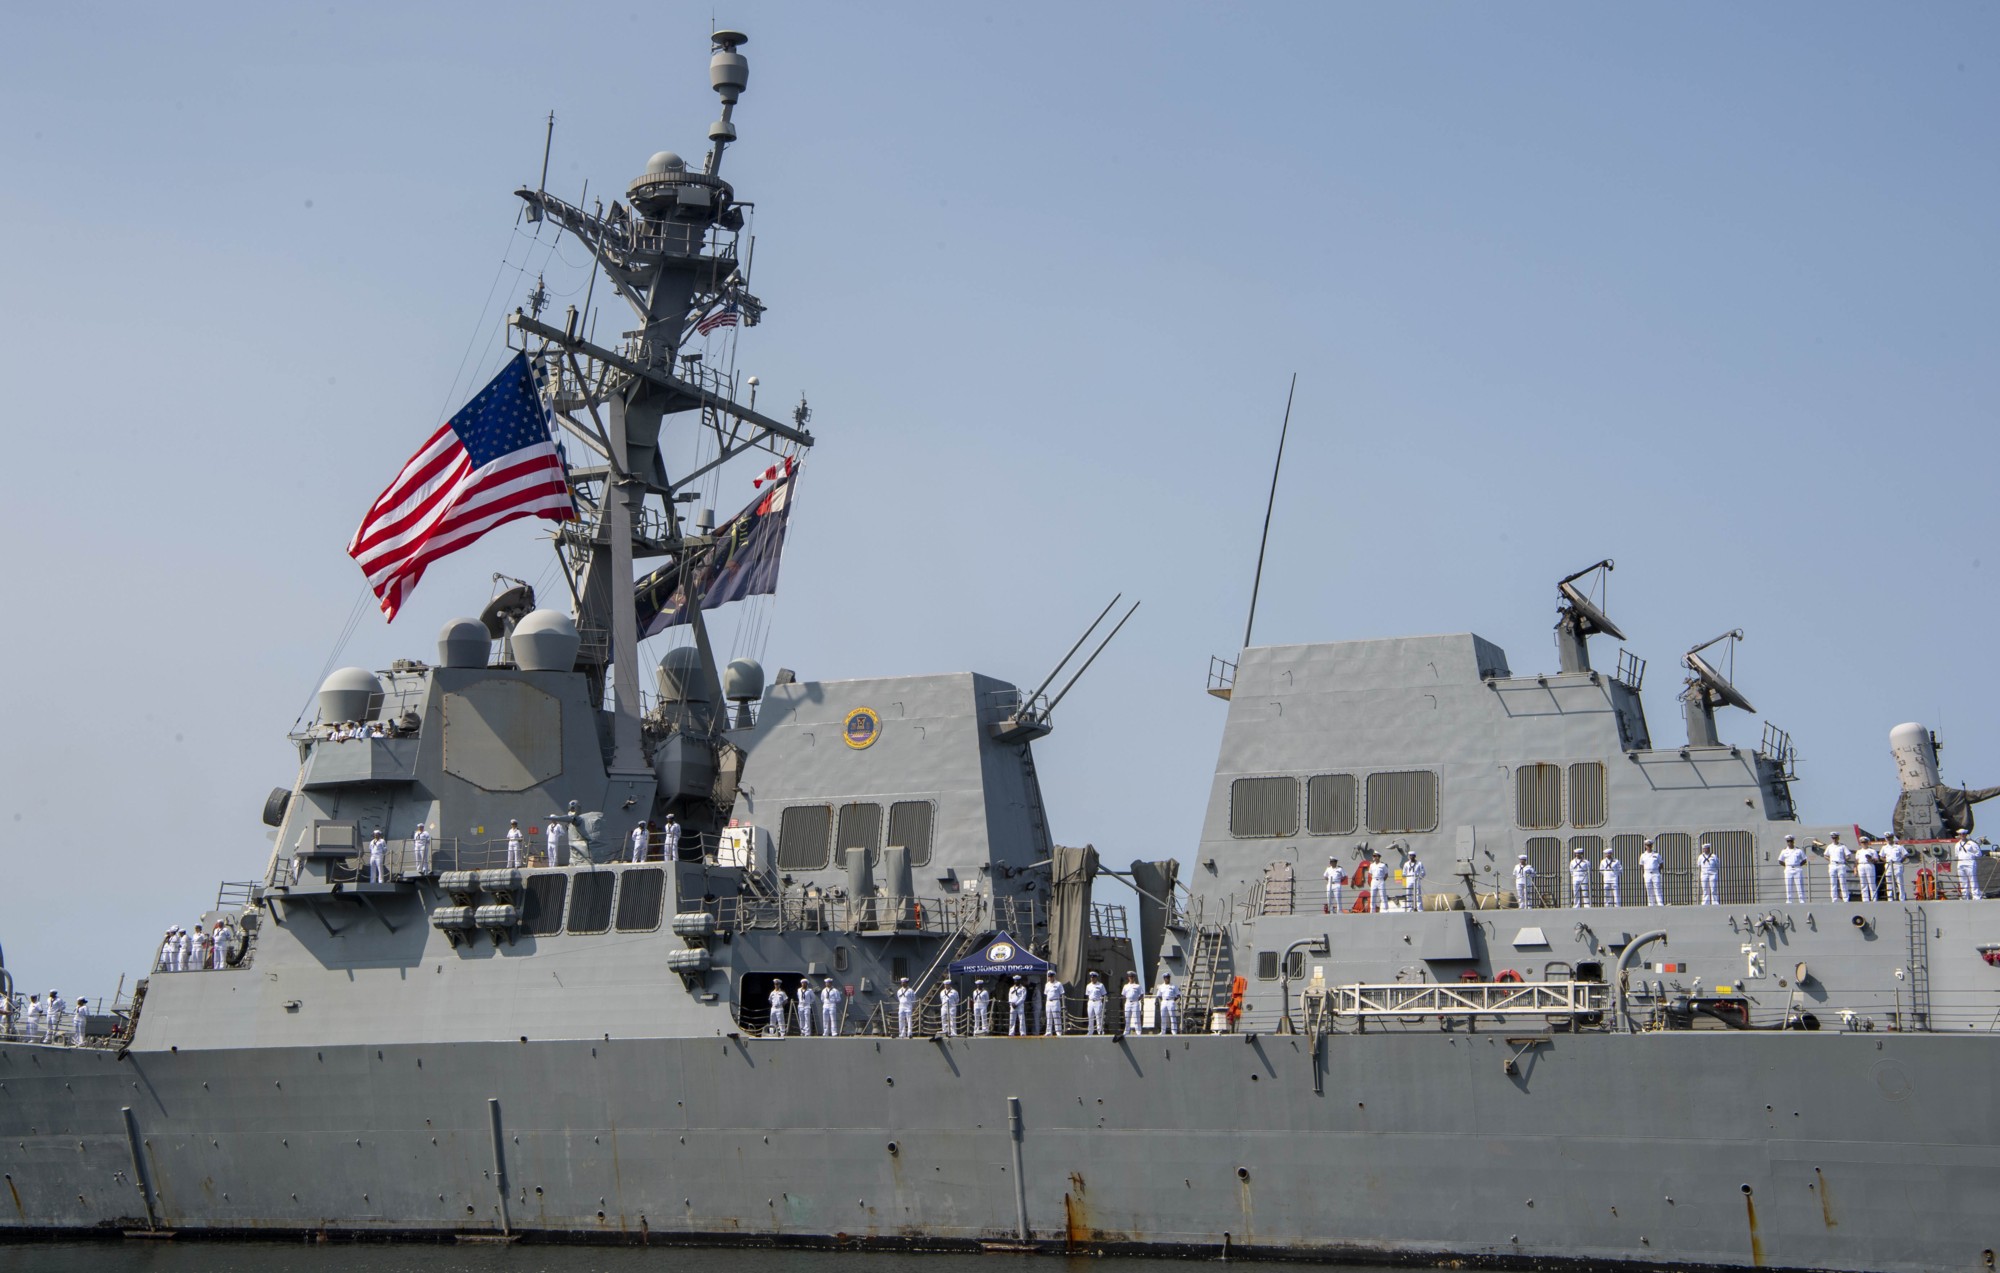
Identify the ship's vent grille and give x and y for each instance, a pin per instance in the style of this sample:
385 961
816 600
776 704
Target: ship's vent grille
1333 804
1267 965
805 832
1586 794
1545 854
1625 849
590 902
1404 801
1538 797
1737 853
639 899
860 828
1263 807
1676 850
542 904
910 826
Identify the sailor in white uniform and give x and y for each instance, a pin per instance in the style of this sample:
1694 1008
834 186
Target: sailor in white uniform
53 1022
829 1008
982 1008
1413 882
948 1010
80 1021
670 839
420 845
198 948
1836 869
184 960
556 841
1868 864
31 1020
906 1008
1052 1007
1612 872
803 997
1793 859
1169 996
376 844
1095 992
1708 869
775 1024
1524 883
1967 853
169 947
514 838
1335 877
1653 869
220 943
1893 858
637 844
1134 995
1017 1009
1378 884
1579 878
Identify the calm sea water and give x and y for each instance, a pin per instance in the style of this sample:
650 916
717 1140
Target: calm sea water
257 1257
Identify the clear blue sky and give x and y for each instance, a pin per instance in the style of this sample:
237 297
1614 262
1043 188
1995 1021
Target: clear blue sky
1707 289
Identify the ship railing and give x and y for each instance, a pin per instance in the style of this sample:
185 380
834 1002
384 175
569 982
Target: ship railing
793 911
1426 1003
1107 920
238 895
1735 886
1221 676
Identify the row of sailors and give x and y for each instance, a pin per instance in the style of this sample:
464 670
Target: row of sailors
375 856
196 950
348 730
50 1020
1017 1004
1372 877
1879 866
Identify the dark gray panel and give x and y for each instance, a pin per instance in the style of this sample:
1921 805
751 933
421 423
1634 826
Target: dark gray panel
1538 797
1333 804
1261 807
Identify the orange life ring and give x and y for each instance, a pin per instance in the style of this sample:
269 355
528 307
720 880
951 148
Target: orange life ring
1509 976
1926 885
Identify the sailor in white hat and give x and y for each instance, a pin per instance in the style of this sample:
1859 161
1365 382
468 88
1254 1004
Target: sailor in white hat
1893 858
1524 883
1793 859
830 1000
1612 872
197 948
774 1025
948 1010
1708 868
1378 882
1134 995
637 850
803 998
906 1008
1837 855
53 1022
982 1008
1579 877
1967 853
1169 996
1868 865
1052 1006
375 846
420 845
670 839
1017 1008
514 838
1653 869
1413 881
1094 994
80 1022
1335 877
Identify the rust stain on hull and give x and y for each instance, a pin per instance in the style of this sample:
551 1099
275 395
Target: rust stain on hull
1756 1243
1825 1200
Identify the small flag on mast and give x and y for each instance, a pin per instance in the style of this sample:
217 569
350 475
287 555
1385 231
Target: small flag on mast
728 316
492 462
742 563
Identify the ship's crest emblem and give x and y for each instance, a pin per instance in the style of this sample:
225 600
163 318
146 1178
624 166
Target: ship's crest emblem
863 727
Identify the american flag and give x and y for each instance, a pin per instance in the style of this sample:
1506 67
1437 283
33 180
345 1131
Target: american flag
727 316
492 462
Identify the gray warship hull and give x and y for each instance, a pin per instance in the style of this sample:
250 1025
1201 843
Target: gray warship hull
1679 1149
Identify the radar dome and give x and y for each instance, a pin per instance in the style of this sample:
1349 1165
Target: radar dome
349 694
666 161
743 680
681 678
464 643
546 641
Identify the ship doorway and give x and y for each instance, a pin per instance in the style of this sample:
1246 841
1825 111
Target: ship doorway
753 1004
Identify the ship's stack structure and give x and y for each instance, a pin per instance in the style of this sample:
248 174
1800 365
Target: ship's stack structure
571 1045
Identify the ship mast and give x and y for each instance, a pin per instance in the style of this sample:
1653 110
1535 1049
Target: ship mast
672 255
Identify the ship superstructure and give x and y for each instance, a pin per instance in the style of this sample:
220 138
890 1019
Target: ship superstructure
573 1033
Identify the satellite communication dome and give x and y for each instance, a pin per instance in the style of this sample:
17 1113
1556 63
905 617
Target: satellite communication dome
348 694
681 678
464 643
546 641
743 681
666 161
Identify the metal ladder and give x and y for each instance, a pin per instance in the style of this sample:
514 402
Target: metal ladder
1205 969
1920 968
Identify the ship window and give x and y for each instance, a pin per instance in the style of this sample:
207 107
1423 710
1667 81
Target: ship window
542 904
804 831
1263 807
590 902
1676 850
910 827
1267 965
1333 804
1545 854
1538 797
860 828
1295 964
840 959
1405 801
1737 852
1586 794
639 899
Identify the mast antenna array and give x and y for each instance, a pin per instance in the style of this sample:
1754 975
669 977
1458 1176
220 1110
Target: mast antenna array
1708 689
1578 618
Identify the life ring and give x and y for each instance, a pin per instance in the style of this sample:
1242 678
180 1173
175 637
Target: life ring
1509 976
1926 885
